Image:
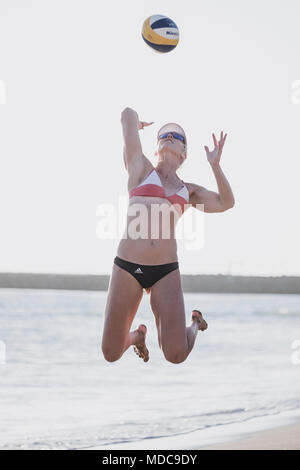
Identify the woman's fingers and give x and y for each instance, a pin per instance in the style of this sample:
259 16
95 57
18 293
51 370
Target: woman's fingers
145 124
218 144
223 141
215 140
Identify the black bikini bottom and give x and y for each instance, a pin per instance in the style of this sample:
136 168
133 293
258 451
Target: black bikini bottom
146 274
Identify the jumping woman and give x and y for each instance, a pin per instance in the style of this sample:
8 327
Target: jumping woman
150 262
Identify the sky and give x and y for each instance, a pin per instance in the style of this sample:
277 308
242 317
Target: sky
71 67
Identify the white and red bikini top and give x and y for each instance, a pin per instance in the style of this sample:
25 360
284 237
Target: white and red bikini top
152 186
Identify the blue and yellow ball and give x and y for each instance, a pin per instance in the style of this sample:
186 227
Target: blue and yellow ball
160 33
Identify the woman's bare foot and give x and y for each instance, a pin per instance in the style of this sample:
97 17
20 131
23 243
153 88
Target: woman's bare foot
140 347
197 316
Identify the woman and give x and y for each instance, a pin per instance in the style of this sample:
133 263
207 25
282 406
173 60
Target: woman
149 262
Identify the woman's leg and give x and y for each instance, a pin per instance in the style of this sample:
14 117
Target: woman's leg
124 297
175 339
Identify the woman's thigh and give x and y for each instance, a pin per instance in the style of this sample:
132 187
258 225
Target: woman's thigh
167 304
124 297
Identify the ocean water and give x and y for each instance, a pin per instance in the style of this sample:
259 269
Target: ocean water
58 392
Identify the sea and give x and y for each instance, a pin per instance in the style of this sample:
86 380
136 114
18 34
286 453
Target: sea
58 392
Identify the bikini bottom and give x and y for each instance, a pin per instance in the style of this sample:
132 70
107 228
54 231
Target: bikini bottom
146 274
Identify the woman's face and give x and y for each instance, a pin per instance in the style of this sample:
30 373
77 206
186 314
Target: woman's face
171 142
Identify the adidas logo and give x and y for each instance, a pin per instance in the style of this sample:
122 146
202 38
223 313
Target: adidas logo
139 271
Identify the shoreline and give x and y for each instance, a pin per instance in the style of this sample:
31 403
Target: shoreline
193 283
280 431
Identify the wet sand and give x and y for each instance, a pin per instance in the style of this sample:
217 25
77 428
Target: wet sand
282 438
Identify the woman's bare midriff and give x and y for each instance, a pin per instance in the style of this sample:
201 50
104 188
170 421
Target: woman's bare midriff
160 248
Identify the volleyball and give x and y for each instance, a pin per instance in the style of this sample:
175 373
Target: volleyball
160 33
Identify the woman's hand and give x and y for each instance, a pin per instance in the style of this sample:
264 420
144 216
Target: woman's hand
142 124
214 156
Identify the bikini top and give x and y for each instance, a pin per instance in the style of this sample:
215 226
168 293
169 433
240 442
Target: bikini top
152 186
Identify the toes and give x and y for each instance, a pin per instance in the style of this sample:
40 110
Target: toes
142 355
138 352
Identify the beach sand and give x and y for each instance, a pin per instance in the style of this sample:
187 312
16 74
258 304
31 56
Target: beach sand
282 438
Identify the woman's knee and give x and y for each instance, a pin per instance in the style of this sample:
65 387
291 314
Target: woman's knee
110 354
176 357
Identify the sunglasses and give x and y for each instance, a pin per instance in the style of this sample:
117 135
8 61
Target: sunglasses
174 134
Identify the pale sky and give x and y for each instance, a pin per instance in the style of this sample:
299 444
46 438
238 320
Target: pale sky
71 67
